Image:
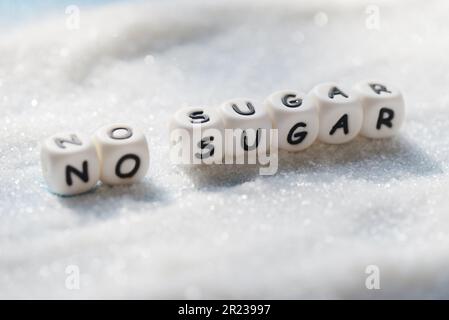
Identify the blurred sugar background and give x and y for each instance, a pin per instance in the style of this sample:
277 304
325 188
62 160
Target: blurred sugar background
311 231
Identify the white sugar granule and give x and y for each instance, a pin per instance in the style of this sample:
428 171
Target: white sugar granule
224 231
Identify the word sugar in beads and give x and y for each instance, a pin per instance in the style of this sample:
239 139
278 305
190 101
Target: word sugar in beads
330 112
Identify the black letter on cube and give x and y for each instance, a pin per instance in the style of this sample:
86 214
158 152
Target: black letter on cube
84 175
335 91
296 137
250 111
378 88
244 141
342 123
118 166
198 117
205 143
385 117
291 101
73 140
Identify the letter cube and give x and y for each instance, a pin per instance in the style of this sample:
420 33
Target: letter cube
196 136
383 106
70 163
249 124
123 152
341 114
296 117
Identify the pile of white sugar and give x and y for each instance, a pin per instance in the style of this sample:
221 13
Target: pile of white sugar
310 231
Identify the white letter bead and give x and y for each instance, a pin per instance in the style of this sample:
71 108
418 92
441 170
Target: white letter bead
197 134
341 114
123 152
70 163
383 107
296 117
250 124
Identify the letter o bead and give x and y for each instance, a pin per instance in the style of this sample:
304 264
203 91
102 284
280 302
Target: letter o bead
295 115
383 106
196 136
70 163
123 152
341 114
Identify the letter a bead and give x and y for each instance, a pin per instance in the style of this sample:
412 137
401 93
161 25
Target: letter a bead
341 114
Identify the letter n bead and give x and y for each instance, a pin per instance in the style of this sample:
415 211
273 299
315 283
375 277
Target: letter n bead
124 154
383 106
70 164
295 115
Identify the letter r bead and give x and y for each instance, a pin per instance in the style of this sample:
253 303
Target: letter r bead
383 107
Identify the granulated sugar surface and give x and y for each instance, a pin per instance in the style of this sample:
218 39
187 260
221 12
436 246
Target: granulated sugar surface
310 231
